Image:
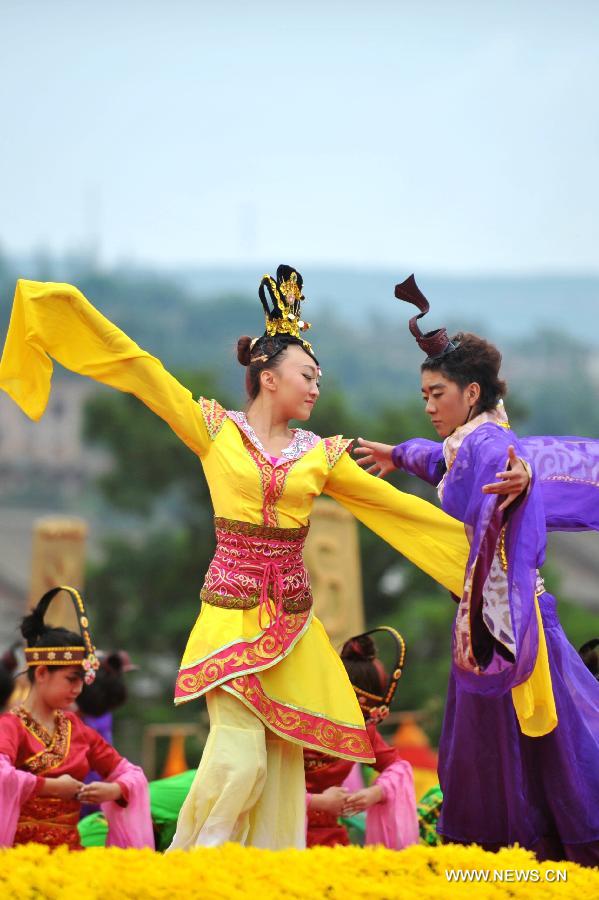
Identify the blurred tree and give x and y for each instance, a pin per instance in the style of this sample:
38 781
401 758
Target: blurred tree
145 591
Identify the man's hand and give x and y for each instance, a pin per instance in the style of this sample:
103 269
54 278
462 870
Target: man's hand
374 457
514 480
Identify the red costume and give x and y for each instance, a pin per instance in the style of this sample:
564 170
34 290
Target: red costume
323 772
74 749
393 820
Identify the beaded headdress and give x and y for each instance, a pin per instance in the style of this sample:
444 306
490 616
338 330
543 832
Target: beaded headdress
375 707
434 343
78 655
284 324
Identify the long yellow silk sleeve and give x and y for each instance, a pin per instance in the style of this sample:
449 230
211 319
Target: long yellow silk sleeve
428 537
55 321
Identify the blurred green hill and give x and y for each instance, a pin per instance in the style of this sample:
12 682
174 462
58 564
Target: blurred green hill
144 588
192 320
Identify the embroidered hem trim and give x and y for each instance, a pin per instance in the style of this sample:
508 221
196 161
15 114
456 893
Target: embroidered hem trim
240 658
306 729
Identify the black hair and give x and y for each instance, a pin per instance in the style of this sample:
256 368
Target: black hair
473 360
38 634
8 665
107 692
270 352
589 653
365 671
267 352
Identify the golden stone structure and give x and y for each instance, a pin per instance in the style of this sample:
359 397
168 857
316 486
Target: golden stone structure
332 557
58 557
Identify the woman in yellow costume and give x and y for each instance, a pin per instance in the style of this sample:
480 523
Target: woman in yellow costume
273 683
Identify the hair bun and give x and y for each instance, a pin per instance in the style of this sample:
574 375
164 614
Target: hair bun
244 350
32 626
360 647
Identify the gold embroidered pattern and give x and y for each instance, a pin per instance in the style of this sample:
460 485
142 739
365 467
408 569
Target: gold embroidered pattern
502 551
272 481
570 478
50 821
307 728
226 601
335 447
56 747
233 526
247 556
214 414
242 655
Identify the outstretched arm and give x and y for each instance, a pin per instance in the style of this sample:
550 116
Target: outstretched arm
424 459
52 321
419 457
428 537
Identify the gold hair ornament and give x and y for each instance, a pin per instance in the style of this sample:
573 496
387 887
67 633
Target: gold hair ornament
83 655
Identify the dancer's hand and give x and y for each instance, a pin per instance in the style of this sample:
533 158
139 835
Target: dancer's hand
514 480
363 799
330 801
64 787
374 457
99 792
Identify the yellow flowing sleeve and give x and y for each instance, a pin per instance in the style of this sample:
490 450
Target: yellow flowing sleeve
428 537
55 321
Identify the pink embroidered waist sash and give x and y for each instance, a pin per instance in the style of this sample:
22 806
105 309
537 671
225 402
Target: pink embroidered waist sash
258 565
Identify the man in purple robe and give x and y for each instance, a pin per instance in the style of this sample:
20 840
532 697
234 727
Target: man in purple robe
519 750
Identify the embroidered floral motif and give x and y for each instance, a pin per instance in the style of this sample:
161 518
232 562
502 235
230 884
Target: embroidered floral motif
232 660
243 556
49 821
309 729
56 747
301 442
335 447
272 481
214 414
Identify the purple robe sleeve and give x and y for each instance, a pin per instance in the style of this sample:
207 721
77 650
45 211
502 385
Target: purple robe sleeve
420 457
567 472
495 636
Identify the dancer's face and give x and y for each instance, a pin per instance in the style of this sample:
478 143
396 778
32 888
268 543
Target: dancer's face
58 687
448 404
294 384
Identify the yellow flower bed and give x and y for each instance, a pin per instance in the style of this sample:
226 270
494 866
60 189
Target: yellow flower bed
348 873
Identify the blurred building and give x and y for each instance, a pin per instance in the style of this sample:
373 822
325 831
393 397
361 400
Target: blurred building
50 450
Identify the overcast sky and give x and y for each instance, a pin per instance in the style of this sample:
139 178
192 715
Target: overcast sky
447 136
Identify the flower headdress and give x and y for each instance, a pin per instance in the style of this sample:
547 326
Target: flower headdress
81 654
